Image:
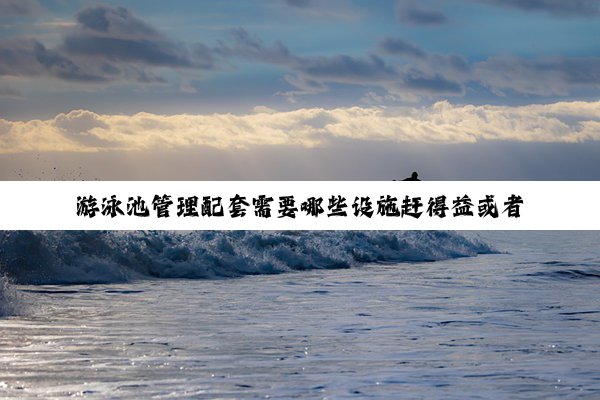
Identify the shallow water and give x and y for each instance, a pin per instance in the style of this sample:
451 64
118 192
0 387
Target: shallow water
522 324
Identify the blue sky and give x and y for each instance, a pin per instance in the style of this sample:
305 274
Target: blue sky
257 79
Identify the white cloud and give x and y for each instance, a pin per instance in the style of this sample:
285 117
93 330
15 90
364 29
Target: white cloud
264 110
85 131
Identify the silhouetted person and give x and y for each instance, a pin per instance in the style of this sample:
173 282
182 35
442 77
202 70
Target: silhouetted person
413 177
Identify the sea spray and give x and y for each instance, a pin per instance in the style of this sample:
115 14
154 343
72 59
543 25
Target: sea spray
11 303
56 257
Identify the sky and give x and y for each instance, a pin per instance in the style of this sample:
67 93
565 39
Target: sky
299 89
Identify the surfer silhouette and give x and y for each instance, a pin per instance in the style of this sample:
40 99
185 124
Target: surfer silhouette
413 177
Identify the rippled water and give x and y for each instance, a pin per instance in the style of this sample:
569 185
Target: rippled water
520 324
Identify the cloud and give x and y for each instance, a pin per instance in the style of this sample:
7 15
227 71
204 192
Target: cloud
315 72
243 44
108 44
556 8
19 7
114 34
115 21
329 9
77 126
28 57
423 74
8 91
400 47
544 76
264 110
412 13
23 57
85 131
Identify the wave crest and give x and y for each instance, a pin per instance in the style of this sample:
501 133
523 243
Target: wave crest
56 257
10 300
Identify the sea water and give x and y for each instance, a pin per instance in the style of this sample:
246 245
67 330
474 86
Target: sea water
300 314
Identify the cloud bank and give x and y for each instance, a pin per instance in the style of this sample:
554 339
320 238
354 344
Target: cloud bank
107 44
110 45
542 76
85 131
420 74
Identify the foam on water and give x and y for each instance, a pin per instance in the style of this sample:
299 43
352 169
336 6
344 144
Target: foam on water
10 300
58 257
519 324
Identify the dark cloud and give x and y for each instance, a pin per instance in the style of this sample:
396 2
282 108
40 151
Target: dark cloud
344 68
412 13
316 68
541 76
315 72
129 51
434 85
114 34
402 48
109 44
19 7
243 44
545 76
115 21
28 57
448 64
557 8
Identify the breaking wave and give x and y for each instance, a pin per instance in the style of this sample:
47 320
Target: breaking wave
10 300
74 257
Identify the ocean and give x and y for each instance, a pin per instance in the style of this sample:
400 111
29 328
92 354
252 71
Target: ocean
319 314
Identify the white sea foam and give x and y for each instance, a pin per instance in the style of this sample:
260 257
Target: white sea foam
519 324
54 257
10 300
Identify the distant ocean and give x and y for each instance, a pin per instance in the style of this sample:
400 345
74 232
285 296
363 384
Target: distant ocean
325 314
